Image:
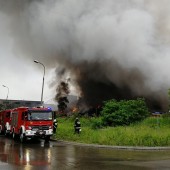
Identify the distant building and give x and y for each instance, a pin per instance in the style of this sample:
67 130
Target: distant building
26 103
19 103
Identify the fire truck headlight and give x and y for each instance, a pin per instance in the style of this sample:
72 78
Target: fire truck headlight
50 127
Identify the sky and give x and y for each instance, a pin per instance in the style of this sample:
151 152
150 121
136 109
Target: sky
111 48
23 77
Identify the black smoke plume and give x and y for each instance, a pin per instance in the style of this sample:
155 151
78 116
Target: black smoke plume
61 96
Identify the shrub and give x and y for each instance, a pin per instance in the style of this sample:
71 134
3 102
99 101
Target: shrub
166 115
124 112
96 123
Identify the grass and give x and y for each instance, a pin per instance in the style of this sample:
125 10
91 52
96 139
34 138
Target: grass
150 132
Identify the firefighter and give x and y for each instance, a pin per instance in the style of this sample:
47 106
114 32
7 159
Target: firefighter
77 126
55 124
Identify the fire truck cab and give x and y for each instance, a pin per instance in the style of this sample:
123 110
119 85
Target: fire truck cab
29 123
5 121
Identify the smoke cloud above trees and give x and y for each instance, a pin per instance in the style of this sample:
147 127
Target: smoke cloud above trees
108 49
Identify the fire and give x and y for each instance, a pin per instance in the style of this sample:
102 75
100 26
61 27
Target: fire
74 109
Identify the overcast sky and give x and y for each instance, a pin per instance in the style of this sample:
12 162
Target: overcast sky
23 78
131 38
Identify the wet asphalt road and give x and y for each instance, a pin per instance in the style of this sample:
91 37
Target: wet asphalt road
37 155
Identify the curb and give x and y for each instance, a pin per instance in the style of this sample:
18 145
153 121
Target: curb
112 147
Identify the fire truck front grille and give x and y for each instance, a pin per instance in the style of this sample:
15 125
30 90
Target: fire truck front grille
40 127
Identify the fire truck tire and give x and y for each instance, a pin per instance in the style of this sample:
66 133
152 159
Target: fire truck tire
22 136
0 130
13 135
47 138
5 131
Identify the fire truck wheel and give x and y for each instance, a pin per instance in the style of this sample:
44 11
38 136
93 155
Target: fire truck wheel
5 131
22 136
0 131
13 134
47 139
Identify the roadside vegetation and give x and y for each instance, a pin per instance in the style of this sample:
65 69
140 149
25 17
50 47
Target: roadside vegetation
152 131
123 123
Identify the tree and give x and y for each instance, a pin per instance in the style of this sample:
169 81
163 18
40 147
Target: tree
6 106
169 97
124 112
2 107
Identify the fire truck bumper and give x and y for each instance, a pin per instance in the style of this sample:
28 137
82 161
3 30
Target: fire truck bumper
30 133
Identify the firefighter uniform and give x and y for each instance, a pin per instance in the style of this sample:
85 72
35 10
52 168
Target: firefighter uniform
54 125
77 126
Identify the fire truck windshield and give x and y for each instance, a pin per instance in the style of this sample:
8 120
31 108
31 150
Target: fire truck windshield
39 115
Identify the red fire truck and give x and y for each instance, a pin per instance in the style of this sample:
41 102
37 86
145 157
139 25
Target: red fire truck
29 123
5 121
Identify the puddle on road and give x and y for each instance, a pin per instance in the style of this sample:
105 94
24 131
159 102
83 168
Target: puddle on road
55 155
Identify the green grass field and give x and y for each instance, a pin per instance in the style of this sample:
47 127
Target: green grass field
151 132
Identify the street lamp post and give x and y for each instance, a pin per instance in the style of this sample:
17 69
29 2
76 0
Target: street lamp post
8 91
43 80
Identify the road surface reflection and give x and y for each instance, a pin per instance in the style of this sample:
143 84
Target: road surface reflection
57 155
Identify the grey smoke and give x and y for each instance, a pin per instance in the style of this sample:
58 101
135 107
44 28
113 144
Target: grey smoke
110 49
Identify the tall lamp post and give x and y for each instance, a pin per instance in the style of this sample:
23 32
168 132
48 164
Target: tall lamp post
43 80
8 91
